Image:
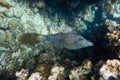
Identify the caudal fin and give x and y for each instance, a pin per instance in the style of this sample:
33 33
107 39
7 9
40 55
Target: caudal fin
29 38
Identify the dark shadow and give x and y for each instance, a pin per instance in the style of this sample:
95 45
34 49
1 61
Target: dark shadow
5 76
101 49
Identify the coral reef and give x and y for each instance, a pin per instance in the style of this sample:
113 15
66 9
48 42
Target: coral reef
79 73
110 70
114 38
115 9
48 72
56 72
45 17
41 72
22 74
35 76
111 8
112 25
89 14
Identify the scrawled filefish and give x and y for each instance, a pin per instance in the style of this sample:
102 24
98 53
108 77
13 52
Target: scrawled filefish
66 40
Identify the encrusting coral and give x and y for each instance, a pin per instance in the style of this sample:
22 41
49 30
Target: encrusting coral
112 25
22 74
114 38
79 73
56 72
110 70
48 72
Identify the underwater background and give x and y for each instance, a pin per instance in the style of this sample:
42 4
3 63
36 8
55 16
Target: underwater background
59 39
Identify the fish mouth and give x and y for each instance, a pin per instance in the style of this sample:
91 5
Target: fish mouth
90 43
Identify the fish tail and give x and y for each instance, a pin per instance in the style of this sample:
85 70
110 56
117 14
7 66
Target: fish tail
30 38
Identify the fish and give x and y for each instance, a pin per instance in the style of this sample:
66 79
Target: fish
66 40
4 3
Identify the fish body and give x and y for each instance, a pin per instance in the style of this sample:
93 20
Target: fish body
66 40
